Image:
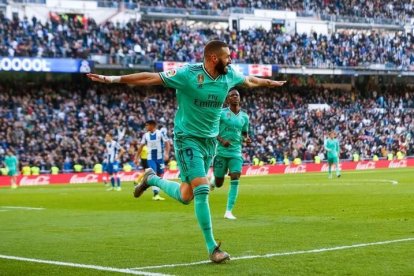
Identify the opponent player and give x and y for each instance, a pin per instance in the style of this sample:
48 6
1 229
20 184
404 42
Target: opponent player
158 150
114 151
234 126
201 90
332 149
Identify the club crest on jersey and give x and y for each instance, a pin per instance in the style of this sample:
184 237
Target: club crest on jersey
200 80
170 73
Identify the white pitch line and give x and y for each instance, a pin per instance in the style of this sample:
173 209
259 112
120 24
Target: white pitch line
341 182
270 255
393 182
21 208
95 267
362 181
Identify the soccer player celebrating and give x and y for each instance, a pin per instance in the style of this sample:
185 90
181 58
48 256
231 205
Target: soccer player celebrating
234 126
158 150
201 90
332 149
114 152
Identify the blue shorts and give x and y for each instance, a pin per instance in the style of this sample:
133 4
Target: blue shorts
112 167
157 165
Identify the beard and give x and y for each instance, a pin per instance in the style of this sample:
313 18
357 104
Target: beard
221 68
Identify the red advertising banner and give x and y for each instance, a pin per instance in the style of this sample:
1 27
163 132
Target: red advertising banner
260 70
80 178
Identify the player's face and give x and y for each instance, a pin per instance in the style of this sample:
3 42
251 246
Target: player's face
332 135
150 127
223 60
107 138
233 98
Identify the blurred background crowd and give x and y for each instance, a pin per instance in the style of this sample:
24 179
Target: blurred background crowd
63 124
144 42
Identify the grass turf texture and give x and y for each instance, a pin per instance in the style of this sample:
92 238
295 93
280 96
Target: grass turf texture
85 224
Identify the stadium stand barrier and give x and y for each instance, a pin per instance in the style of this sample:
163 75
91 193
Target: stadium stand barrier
83 178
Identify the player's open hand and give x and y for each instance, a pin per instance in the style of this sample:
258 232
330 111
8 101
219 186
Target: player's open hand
98 78
225 143
247 140
273 83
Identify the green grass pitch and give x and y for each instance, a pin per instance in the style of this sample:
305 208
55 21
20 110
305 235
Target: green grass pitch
363 224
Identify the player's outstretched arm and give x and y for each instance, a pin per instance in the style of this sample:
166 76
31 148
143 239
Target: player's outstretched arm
252 82
144 78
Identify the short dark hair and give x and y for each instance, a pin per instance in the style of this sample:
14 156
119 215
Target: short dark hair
234 89
150 122
213 47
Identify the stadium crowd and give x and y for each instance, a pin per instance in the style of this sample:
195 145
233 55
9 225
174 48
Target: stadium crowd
144 42
372 9
63 124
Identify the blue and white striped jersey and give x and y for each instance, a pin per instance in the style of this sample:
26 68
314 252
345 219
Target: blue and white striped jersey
112 151
155 142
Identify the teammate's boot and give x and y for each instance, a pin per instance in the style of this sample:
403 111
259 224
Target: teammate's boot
219 256
158 198
142 186
229 215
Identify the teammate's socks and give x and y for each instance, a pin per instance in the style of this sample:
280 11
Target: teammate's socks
233 192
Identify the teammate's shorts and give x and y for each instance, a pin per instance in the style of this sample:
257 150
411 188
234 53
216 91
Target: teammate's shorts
332 160
12 173
144 163
112 167
157 165
194 156
222 165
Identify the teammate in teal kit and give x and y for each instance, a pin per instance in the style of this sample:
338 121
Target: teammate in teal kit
234 126
12 165
332 149
201 90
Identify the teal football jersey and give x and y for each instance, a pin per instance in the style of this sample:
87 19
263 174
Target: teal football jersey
200 98
333 146
232 127
11 162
